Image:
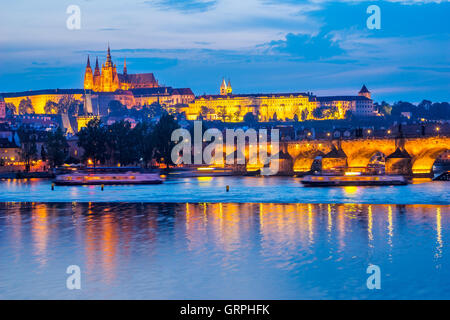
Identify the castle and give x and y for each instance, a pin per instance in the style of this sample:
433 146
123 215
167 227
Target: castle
108 80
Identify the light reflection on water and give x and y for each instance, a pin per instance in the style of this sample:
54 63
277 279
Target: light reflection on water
207 251
213 189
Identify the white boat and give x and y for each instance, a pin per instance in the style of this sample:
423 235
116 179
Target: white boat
353 180
107 177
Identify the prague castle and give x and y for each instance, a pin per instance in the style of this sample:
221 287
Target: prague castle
108 80
101 86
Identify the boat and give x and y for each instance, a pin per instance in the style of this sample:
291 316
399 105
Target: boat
107 176
353 179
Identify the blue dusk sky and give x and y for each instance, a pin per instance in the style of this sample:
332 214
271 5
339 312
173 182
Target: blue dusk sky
262 45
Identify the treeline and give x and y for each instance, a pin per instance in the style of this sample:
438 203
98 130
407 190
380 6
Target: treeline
119 143
425 109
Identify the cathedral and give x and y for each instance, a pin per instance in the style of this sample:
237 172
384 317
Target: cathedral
108 80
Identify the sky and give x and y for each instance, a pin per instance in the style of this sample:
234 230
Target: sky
269 46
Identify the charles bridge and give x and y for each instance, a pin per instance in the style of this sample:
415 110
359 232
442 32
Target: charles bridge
409 156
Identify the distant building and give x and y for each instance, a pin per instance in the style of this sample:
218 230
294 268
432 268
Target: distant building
279 106
360 105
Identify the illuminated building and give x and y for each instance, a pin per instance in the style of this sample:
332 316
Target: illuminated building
231 107
108 80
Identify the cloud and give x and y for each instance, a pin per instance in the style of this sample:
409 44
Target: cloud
308 47
184 5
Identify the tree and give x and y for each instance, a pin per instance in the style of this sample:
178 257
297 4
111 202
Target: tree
295 118
122 143
57 147
145 143
92 139
43 153
250 118
68 104
116 108
236 116
204 112
28 146
222 113
26 107
51 107
304 114
10 109
162 137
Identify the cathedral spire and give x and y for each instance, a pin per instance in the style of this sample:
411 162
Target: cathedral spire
88 65
125 67
108 56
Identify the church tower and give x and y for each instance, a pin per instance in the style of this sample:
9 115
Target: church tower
88 77
97 77
223 88
364 92
229 88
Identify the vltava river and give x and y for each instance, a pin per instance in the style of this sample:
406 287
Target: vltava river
242 190
224 250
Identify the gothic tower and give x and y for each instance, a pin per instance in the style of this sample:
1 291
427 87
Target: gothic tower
223 88
229 88
88 77
97 77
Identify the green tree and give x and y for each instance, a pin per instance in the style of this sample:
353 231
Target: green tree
122 143
116 108
26 107
162 137
92 139
250 119
43 153
57 147
28 146
145 142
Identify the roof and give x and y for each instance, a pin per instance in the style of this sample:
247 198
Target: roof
342 98
399 154
139 79
364 89
254 95
335 153
41 92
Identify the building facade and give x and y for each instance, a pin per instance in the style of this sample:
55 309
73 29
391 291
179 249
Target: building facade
227 106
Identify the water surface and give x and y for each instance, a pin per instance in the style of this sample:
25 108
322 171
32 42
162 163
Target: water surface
223 250
242 190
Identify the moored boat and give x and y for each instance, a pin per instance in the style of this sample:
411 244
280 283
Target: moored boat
107 177
353 180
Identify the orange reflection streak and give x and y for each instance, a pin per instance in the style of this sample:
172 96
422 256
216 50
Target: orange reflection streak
40 231
370 223
439 233
109 246
390 226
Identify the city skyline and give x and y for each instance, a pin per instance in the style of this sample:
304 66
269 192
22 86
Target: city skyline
282 47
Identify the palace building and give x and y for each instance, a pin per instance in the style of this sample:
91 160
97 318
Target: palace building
230 107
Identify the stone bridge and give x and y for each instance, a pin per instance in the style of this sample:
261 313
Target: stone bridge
404 155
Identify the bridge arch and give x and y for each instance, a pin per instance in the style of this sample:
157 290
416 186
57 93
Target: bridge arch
360 152
424 161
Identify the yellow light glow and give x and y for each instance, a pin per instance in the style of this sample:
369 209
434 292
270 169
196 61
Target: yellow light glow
206 169
353 173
